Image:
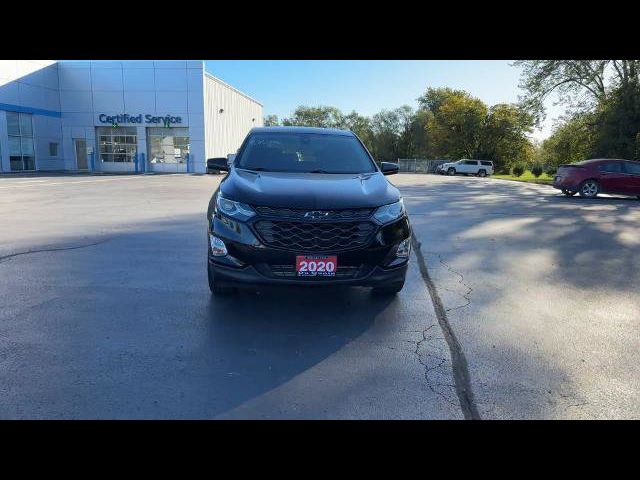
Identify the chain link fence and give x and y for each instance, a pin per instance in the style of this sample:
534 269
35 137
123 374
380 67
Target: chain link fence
418 165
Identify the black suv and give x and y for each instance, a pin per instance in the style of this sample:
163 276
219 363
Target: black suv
306 206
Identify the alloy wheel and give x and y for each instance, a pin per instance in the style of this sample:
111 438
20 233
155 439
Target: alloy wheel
589 189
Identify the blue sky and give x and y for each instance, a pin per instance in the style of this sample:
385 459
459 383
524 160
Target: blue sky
368 86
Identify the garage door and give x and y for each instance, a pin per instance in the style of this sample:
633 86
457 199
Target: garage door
168 149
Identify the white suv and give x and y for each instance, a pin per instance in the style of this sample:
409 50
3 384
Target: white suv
481 168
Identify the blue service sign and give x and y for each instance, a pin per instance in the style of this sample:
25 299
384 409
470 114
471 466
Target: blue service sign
167 120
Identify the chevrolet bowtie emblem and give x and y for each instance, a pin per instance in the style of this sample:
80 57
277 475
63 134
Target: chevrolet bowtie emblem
316 215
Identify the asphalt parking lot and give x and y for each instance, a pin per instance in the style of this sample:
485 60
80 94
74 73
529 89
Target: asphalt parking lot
105 310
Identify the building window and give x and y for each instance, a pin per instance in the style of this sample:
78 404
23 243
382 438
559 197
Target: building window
20 130
118 144
53 149
168 145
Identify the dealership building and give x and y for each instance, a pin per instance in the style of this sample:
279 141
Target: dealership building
118 116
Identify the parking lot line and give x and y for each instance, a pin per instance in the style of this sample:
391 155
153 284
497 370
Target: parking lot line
46 183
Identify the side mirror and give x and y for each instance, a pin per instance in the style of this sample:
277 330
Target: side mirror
231 158
389 168
217 165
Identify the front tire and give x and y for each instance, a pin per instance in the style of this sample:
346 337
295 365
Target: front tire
451 171
589 189
215 286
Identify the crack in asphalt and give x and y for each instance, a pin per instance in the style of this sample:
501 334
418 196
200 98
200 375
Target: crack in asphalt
52 249
458 360
461 282
434 385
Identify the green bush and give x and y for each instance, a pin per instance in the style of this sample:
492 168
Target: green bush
551 170
518 170
536 170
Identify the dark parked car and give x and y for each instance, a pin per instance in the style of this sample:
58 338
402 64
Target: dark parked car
306 206
591 177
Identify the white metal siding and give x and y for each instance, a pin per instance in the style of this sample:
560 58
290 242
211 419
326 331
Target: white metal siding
224 132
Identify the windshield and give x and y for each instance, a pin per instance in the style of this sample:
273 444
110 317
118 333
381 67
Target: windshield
304 152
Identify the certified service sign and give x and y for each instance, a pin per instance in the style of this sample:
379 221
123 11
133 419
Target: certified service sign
127 119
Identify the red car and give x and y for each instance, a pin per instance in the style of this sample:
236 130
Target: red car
591 177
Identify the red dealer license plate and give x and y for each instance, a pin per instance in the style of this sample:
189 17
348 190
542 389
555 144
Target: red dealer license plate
316 265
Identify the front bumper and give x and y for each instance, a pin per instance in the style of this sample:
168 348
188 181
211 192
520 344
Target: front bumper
255 275
249 261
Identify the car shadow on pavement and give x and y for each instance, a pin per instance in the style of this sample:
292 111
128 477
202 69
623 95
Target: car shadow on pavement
125 327
577 232
261 339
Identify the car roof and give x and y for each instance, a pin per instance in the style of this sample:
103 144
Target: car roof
595 160
317 131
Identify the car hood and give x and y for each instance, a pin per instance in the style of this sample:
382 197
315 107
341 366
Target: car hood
309 190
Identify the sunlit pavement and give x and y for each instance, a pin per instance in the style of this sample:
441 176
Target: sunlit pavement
105 310
541 291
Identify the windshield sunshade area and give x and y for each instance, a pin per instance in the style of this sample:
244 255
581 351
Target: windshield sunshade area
305 153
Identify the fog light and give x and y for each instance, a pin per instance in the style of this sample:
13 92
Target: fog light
218 248
404 248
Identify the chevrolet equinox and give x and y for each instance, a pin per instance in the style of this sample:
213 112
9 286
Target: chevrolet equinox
306 206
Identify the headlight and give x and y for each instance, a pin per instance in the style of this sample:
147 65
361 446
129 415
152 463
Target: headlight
387 213
238 210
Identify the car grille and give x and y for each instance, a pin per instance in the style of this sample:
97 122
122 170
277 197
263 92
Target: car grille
314 236
316 215
289 271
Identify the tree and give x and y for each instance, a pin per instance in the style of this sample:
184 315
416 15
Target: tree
504 137
419 145
618 120
405 134
581 83
271 121
321 116
433 98
518 169
456 125
449 124
609 89
459 125
537 169
386 126
571 141
359 125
